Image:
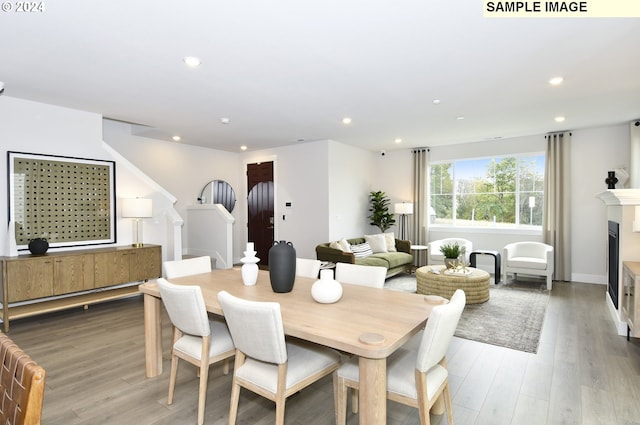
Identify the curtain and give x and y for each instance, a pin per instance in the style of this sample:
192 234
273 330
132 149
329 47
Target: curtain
420 201
556 225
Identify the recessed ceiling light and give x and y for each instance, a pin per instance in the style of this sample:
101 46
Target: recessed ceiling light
192 61
559 119
346 120
555 81
460 118
176 138
243 147
225 120
436 101
398 140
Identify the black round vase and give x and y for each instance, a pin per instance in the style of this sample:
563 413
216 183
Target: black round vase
38 246
282 266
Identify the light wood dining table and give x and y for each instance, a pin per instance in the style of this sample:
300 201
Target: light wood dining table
367 322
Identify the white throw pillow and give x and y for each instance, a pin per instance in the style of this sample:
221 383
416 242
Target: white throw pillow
378 243
344 245
361 250
335 245
391 242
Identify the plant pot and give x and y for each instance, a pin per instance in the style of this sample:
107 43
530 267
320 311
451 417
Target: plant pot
451 263
38 246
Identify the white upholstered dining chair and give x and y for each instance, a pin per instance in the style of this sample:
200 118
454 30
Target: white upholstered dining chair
265 363
307 267
196 339
356 274
415 378
187 267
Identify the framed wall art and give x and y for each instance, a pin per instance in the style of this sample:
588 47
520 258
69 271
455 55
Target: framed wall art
67 201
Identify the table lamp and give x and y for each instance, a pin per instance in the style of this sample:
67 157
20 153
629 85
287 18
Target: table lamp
137 208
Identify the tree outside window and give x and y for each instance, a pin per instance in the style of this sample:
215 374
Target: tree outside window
502 191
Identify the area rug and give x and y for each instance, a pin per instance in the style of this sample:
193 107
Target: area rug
513 317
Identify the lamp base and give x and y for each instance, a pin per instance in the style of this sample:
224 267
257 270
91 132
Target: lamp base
137 244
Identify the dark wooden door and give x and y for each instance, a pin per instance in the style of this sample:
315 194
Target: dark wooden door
260 206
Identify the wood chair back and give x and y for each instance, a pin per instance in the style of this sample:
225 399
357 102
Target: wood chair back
21 386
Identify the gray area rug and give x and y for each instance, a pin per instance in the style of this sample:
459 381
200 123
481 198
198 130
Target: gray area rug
512 318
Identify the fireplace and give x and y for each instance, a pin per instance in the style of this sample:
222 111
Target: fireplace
614 253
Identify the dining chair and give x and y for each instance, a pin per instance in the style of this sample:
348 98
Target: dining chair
356 274
307 267
265 362
187 267
21 385
416 378
196 339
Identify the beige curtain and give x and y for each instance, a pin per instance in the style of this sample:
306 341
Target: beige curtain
556 225
420 201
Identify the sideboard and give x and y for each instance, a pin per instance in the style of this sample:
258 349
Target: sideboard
36 284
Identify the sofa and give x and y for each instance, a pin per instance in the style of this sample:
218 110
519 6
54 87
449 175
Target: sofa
395 262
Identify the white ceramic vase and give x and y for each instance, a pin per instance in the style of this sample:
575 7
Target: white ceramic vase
249 268
327 290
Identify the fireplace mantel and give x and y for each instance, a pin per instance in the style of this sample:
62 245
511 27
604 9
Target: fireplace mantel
620 196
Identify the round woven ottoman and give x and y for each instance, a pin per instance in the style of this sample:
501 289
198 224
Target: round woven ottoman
475 285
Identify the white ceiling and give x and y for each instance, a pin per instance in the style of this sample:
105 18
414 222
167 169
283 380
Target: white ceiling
285 70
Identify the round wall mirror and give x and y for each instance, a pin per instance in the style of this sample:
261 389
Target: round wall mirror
218 192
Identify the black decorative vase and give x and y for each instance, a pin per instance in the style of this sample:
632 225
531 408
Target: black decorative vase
611 180
282 266
38 246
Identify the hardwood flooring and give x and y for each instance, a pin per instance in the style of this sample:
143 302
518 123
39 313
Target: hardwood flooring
583 373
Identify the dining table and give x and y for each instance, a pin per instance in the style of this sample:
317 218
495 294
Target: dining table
367 322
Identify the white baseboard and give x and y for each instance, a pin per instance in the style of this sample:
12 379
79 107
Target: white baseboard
588 278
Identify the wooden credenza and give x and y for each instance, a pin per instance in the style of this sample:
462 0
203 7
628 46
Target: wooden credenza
35 284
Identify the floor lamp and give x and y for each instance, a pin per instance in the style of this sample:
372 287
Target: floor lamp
403 209
137 208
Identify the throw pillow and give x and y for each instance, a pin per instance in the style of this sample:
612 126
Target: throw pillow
345 245
391 242
335 245
361 250
377 242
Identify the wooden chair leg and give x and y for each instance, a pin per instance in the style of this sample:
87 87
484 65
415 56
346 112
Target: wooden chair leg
235 390
339 399
355 396
202 390
446 393
172 377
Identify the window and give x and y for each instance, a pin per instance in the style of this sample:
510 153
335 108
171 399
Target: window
500 192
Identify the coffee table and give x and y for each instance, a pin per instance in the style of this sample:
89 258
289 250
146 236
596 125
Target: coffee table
434 280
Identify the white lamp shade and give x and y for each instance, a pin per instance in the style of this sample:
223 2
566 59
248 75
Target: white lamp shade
403 208
137 207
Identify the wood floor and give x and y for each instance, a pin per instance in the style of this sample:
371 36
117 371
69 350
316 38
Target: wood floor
582 374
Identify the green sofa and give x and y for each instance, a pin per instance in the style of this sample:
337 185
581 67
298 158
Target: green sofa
394 262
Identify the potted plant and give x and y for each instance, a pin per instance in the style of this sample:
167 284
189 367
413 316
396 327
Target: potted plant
451 252
380 215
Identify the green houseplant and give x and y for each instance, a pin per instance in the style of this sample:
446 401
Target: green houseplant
379 208
451 252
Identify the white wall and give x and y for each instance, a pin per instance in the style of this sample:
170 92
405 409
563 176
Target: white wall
351 172
33 127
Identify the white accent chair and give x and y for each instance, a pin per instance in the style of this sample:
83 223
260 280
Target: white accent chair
196 339
531 258
436 257
356 274
265 363
307 268
187 267
415 378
